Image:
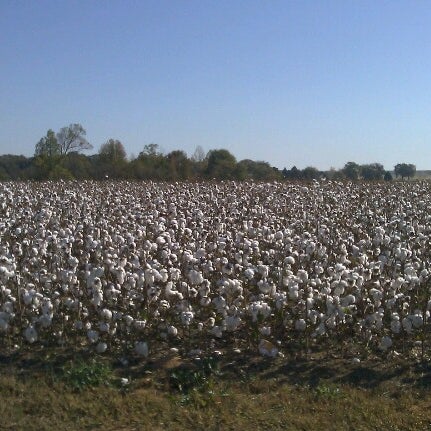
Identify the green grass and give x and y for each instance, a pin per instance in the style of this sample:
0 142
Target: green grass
208 395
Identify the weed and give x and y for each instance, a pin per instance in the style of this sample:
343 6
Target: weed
327 391
186 379
81 374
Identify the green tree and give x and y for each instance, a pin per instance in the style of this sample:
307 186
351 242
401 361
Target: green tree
388 176
372 172
78 165
47 155
260 171
47 146
352 171
179 165
311 173
150 164
292 174
221 164
16 167
113 151
405 170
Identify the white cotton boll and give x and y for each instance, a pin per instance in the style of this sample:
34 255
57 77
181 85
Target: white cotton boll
232 323
45 320
172 331
47 306
321 329
266 348
289 260
78 325
92 335
187 317
396 325
339 289
217 331
279 236
264 286
149 277
164 304
103 326
417 320
302 275
376 294
140 324
164 275
385 343
313 315
128 319
249 273
219 303
331 323
195 277
101 347
300 325
263 270
3 325
141 349
204 289
265 330
30 334
97 298
175 273
293 292
347 300
27 297
124 381
193 293
73 261
205 301
407 325
106 314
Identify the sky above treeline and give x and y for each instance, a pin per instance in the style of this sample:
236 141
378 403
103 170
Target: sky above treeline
305 83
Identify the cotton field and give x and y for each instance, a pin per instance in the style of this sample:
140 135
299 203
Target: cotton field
138 269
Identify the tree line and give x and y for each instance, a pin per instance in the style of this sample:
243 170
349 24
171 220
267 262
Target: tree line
59 156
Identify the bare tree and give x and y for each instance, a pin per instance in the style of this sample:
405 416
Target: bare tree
198 154
72 138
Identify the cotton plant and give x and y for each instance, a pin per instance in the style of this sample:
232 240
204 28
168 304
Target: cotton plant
212 264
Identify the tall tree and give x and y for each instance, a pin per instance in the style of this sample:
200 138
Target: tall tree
47 146
221 164
72 138
113 151
311 173
198 155
151 150
404 170
351 170
47 155
373 171
179 165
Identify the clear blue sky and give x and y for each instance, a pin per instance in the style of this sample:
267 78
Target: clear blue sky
298 83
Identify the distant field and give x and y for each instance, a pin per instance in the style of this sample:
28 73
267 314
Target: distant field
423 174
